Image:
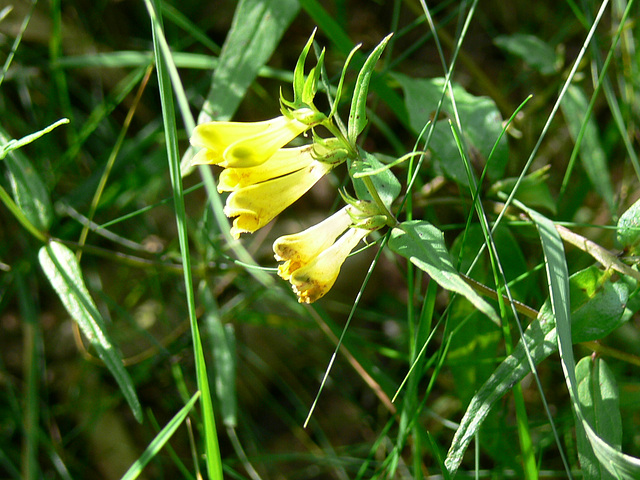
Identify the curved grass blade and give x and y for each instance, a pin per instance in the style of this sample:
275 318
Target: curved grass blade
597 309
617 463
63 271
163 437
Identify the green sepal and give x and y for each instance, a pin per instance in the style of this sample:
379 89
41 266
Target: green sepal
357 115
298 76
329 150
311 83
341 82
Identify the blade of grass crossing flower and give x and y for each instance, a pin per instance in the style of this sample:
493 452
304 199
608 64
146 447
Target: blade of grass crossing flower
617 463
212 451
161 438
63 271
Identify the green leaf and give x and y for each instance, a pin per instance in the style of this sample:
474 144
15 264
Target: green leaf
29 191
357 114
423 244
599 397
63 271
385 182
596 309
628 236
159 441
258 26
593 157
617 463
531 50
480 119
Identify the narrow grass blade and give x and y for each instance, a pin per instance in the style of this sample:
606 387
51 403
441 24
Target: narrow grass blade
162 54
63 271
423 244
163 437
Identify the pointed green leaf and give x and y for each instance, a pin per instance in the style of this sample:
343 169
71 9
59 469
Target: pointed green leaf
63 271
357 114
480 119
423 244
160 440
617 463
536 53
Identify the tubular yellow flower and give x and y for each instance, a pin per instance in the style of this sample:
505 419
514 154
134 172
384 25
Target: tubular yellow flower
245 144
257 204
282 162
300 248
313 280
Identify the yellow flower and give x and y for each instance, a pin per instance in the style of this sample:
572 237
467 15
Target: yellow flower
276 187
312 258
282 162
246 144
300 248
313 280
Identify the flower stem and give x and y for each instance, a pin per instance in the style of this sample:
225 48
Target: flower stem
391 220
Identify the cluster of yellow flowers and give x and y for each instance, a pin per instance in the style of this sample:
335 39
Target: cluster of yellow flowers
264 176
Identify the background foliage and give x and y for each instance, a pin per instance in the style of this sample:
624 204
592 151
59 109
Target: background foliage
100 185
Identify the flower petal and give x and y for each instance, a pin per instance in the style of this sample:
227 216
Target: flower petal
255 150
256 205
244 144
215 137
282 162
299 249
315 279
